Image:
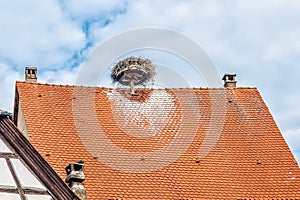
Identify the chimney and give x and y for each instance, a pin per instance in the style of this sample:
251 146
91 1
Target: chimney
4 113
30 74
75 178
229 80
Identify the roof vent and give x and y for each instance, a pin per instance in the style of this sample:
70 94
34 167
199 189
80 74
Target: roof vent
229 80
30 74
75 178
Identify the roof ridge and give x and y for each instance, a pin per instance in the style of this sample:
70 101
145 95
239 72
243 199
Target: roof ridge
154 88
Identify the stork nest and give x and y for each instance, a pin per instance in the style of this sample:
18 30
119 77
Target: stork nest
134 71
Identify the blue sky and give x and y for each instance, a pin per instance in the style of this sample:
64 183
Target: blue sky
258 40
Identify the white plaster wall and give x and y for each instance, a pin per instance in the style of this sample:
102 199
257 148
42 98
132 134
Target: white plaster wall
21 121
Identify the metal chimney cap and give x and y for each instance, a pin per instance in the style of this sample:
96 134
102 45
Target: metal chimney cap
229 80
74 172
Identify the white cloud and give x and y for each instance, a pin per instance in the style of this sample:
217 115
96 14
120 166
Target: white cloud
92 9
37 33
45 34
62 76
8 77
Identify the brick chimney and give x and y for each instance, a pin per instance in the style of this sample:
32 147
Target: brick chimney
30 74
229 80
75 178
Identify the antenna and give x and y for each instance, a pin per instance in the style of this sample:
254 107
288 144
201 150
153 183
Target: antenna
133 71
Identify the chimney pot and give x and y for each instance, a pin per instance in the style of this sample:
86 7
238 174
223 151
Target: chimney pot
75 178
30 74
229 80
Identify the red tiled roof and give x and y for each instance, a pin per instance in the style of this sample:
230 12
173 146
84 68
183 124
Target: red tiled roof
249 160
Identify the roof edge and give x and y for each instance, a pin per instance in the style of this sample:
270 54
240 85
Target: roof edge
34 161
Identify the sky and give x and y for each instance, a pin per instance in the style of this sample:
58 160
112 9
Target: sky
258 40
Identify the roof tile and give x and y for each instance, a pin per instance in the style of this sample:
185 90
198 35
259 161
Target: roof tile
250 159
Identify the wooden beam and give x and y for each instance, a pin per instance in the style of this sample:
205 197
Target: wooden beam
29 156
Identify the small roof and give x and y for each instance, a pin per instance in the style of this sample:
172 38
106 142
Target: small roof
249 158
24 173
